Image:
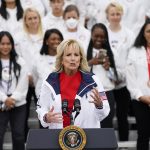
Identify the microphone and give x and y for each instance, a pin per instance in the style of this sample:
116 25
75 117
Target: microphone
65 106
66 111
77 107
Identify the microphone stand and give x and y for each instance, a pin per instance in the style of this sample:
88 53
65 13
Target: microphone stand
69 113
77 107
71 119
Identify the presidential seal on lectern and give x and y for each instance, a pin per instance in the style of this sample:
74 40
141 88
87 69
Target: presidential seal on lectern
72 138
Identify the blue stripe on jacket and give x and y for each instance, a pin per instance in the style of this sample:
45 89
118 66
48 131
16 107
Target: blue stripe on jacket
86 84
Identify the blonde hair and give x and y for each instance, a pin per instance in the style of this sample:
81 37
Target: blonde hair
40 31
116 5
62 47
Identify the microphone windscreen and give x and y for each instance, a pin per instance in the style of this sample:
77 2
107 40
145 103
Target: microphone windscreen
64 106
77 104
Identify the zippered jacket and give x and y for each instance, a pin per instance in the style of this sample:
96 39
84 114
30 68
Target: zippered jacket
89 116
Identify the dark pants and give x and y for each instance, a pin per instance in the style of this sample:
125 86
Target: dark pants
122 98
16 117
108 121
142 115
30 95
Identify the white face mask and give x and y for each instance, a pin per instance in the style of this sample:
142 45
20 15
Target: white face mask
71 23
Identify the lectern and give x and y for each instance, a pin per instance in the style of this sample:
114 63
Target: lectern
48 139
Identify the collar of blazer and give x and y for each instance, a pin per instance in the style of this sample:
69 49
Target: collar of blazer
86 84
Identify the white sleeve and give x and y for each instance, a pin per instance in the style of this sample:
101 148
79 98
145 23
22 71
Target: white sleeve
21 90
34 71
137 25
122 55
120 68
43 104
102 113
131 76
3 96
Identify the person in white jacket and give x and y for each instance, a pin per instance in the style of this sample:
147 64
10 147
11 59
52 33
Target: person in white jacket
11 14
132 18
100 59
72 27
13 90
29 40
138 83
120 39
40 5
44 63
72 80
54 19
28 45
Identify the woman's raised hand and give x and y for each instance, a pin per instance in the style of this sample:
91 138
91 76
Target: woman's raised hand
52 117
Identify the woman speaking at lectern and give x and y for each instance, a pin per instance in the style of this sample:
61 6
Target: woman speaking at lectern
72 80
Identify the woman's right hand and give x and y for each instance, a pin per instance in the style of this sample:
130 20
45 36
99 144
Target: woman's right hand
10 103
52 117
97 61
94 61
106 63
145 99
